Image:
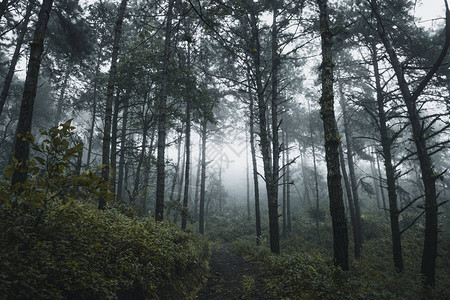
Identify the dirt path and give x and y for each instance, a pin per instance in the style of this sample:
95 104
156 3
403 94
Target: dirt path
232 277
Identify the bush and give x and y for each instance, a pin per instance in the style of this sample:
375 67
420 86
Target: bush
373 227
299 275
317 214
228 227
77 252
303 271
55 247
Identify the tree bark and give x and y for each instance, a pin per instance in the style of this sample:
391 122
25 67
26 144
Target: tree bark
62 94
146 184
332 140
380 180
177 166
254 163
197 179
162 115
348 189
123 140
15 58
288 187
272 186
184 211
94 105
386 143
316 181
180 187
247 173
201 217
351 168
148 172
375 183
114 129
79 160
137 178
429 177
306 197
109 99
22 144
284 183
220 180
270 161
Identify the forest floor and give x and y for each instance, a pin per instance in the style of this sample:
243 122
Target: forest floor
233 277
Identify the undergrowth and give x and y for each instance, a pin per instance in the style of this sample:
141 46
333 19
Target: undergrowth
78 252
54 243
304 269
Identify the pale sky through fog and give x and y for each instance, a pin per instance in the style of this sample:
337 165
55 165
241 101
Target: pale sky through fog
430 9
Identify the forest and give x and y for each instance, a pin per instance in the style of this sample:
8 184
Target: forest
224 149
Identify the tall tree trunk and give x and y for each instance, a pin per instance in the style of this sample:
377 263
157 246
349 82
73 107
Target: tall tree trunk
62 94
220 180
123 141
184 211
22 140
284 183
386 143
380 180
247 173
273 183
306 197
15 58
148 172
201 217
339 222
125 179
254 164
376 185
115 121
177 166
94 105
137 178
109 98
429 177
79 160
288 187
351 168
197 179
348 191
162 115
180 187
146 184
316 180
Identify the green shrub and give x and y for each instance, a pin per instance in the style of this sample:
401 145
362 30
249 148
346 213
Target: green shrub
373 227
55 246
50 175
78 252
317 214
304 270
311 276
228 227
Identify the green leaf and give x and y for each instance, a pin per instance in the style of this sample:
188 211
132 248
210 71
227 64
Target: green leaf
40 160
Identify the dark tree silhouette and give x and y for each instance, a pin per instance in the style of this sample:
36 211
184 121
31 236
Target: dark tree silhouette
22 143
332 141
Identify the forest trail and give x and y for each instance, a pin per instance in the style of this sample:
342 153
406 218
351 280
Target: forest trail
232 277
